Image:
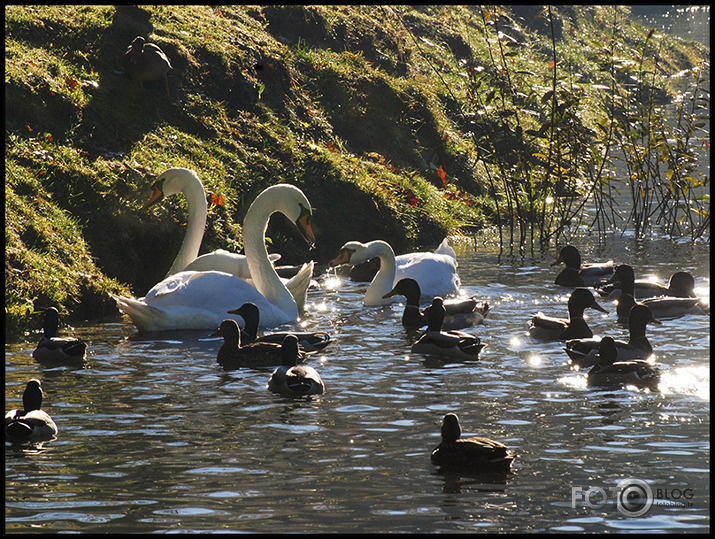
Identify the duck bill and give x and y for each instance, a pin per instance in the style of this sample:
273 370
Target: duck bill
391 293
599 308
557 261
216 333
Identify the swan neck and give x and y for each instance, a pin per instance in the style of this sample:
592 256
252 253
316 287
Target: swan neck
383 281
264 275
196 200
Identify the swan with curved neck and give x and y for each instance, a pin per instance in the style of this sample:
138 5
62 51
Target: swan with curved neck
436 273
182 180
201 299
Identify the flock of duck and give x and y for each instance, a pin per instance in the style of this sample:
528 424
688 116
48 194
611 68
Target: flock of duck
236 294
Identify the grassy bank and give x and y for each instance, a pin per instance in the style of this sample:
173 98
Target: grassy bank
365 108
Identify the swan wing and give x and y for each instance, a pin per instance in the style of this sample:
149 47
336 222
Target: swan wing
445 249
225 261
298 285
198 300
435 273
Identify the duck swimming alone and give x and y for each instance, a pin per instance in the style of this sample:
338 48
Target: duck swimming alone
609 372
307 340
459 313
54 348
445 343
232 355
547 328
468 453
584 352
576 274
146 62
661 306
32 424
291 379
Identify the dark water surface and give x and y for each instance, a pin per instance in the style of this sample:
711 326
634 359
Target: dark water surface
154 436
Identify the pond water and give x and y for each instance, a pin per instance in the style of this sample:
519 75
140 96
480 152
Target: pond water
155 436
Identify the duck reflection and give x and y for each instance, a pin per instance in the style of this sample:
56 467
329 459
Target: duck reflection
481 481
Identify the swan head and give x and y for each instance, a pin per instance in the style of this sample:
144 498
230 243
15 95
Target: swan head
304 223
291 202
170 182
353 253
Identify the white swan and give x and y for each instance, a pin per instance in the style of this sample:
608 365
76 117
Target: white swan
202 299
435 272
182 180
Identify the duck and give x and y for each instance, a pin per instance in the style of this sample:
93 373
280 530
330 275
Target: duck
459 313
584 352
201 299
178 180
680 285
32 424
309 341
547 328
452 343
54 348
436 273
610 372
576 274
146 62
234 355
475 453
291 379
662 307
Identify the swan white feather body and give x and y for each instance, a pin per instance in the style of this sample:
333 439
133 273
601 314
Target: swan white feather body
436 272
201 299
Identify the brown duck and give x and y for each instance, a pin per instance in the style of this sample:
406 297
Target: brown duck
468 453
146 62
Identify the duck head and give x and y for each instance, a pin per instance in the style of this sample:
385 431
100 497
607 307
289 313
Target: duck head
230 332
580 299
51 324
451 430
406 287
251 315
607 351
683 284
32 396
624 275
570 256
436 314
289 350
